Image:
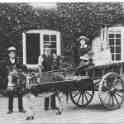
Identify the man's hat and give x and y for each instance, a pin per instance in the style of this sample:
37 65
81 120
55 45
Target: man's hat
12 48
83 37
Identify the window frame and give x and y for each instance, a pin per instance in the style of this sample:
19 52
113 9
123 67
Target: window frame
49 43
115 45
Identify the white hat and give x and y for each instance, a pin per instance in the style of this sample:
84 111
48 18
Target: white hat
85 57
83 37
12 48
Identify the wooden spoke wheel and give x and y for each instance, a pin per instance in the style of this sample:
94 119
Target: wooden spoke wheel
111 91
80 97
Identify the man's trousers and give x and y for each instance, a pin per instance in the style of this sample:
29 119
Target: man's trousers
11 95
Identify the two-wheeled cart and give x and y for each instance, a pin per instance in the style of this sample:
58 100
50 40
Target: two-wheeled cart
81 87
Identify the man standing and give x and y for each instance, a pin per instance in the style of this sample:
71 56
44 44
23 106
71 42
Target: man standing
12 73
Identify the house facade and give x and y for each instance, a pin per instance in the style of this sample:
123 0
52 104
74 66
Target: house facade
109 46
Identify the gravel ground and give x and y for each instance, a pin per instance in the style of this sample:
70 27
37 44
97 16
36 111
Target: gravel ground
94 113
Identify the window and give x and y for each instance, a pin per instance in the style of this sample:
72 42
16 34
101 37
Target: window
115 45
53 37
46 37
32 47
49 42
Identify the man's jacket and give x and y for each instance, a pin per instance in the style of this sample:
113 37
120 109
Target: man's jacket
5 67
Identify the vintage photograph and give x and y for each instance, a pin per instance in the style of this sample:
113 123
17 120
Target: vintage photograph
62 62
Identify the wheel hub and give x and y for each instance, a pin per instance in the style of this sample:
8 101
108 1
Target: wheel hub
112 91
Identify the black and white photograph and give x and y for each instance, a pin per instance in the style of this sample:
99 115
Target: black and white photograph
62 62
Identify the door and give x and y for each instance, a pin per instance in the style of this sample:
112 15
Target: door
32 48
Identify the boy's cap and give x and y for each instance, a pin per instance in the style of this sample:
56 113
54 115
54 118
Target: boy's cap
12 48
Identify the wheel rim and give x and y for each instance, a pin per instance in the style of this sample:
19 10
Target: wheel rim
81 98
111 91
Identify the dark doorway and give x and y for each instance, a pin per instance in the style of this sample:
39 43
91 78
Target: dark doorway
32 48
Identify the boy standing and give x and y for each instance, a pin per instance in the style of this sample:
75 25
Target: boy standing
12 73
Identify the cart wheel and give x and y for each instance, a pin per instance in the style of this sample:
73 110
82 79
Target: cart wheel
81 97
111 91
